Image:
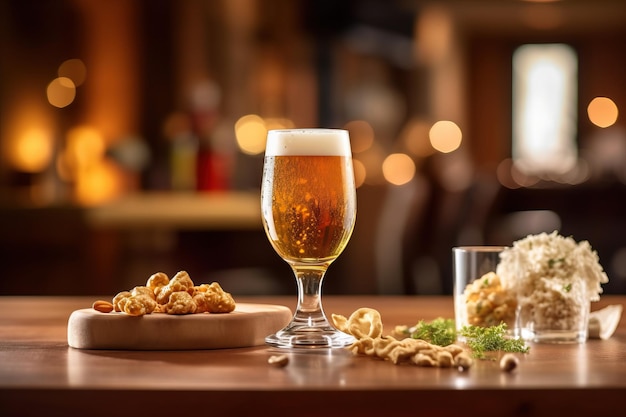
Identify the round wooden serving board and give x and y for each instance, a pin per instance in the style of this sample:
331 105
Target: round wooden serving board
247 326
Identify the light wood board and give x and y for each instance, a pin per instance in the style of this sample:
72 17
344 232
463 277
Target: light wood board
247 326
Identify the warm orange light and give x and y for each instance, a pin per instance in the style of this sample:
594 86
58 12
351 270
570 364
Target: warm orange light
398 168
74 69
32 151
251 134
84 148
61 92
445 136
360 173
86 144
602 112
99 183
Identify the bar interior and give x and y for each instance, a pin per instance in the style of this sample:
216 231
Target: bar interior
132 135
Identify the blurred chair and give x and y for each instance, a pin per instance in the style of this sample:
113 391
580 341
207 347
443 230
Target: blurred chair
420 223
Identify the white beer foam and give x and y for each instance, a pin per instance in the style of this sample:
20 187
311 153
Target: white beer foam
326 142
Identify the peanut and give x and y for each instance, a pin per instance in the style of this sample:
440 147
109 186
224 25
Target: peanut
509 362
102 306
278 361
463 361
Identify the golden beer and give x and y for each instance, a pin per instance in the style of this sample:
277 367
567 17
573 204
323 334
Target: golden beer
308 206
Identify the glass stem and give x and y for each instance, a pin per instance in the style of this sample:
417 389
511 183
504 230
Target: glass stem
309 309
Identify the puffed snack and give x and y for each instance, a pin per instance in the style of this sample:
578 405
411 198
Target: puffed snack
365 324
180 282
211 298
175 296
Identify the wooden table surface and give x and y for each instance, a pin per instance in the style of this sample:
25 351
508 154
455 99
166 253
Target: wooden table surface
41 375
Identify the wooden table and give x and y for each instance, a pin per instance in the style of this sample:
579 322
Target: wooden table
41 375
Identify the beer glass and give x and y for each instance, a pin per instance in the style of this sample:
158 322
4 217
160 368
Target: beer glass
308 204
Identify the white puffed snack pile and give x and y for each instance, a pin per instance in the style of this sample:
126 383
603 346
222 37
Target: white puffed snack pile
365 324
553 277
176 296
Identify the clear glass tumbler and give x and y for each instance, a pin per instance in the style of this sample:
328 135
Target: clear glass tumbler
480 298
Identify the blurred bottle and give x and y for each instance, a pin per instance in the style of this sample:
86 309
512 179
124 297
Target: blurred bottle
183 161
213 156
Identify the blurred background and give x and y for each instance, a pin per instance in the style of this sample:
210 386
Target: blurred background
132 135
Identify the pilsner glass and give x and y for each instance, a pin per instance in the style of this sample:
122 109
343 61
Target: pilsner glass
308 204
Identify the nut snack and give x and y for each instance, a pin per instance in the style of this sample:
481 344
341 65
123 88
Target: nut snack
177 296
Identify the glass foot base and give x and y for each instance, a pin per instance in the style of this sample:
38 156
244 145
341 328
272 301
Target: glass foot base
554 336
311 337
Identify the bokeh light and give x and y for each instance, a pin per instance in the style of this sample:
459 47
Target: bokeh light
361 135
74 69
251 134
359 172
521 177
85 147
578 175
445 136
602 112
415 138
61 92
544 123
398 168
372 161
99 183
32 151
503 173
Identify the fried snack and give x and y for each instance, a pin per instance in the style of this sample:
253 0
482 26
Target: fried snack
139 305
157 281
211 298
176 296
180 282
120 299
140 290
365 324
180 302
137 302
488 303
416 351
